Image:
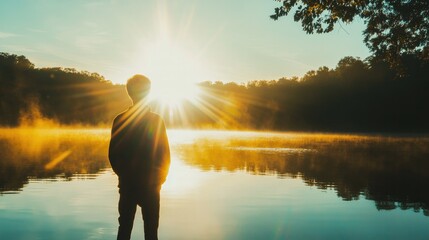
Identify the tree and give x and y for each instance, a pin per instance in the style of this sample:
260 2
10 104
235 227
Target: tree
394 28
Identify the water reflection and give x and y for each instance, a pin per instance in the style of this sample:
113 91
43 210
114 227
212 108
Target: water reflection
391 171
53 154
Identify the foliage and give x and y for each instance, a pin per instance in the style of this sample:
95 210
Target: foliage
355 96
63 94
393 28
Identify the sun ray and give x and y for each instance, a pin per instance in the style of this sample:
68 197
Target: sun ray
175 66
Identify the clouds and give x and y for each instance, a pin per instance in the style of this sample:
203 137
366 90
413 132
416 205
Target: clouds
7 35
17 48
110 37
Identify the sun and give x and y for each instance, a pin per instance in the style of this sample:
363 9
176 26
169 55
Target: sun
174 72
172 95
175 64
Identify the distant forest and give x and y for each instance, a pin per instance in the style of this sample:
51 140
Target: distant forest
356 96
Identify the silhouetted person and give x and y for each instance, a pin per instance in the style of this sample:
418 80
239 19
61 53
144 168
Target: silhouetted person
139 154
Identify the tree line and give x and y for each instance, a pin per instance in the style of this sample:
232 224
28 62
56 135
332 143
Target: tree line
65 95
356 95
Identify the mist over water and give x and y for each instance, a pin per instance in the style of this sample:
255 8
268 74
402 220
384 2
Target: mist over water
39 153
218 179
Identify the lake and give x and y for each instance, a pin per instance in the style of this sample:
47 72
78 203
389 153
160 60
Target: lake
58 184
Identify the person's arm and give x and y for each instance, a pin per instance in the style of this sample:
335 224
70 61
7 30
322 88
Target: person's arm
114 148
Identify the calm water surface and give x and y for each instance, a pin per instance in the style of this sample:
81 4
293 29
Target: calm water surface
57 184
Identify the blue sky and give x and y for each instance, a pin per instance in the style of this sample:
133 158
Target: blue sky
189 40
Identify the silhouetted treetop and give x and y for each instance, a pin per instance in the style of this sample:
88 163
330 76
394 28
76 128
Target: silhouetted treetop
356 95
12 60
393 28
65 95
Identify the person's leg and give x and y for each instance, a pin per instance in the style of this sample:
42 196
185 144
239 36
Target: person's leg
150 212
127 210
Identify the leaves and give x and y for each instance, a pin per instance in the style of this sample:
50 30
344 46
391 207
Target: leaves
393 28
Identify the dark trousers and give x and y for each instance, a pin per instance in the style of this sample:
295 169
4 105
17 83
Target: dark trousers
148 200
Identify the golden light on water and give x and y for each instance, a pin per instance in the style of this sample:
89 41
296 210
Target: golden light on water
57 159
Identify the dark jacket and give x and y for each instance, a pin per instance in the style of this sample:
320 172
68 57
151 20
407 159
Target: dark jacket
139 151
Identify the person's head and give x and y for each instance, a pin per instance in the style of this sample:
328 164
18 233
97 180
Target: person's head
138 87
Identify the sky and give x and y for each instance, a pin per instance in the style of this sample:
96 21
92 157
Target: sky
171 41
